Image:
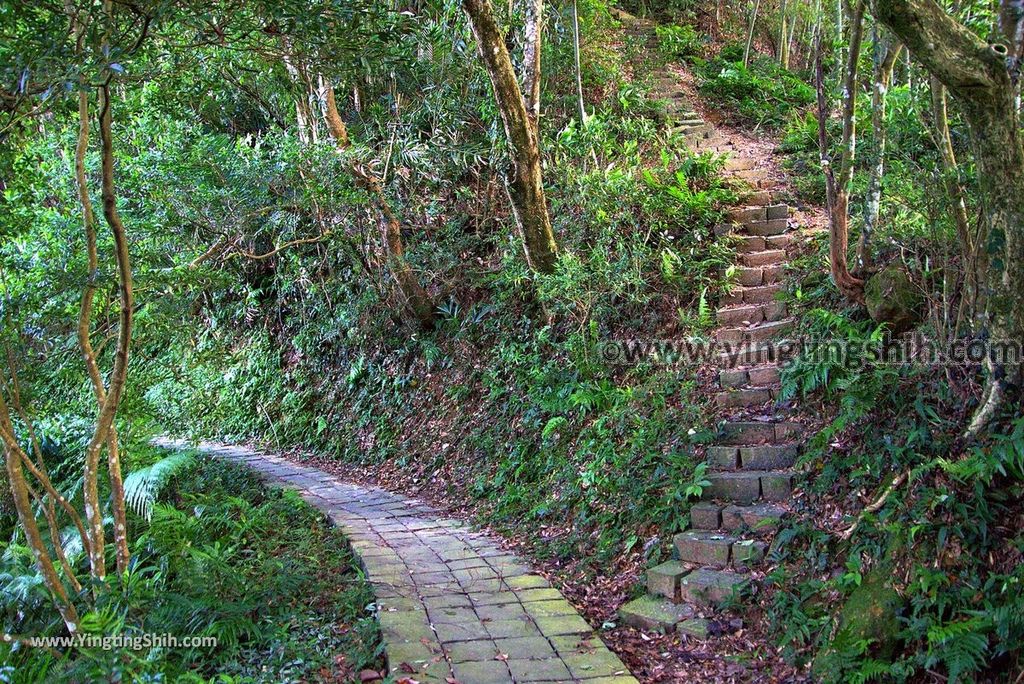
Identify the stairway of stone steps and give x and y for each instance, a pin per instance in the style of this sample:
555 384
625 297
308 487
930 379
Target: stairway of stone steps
750 462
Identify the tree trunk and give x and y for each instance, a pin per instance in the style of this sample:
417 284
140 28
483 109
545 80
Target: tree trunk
884 55
84 319
416 298
837 183
750 33
14 456
950 168
1011 25
531 58
525 184
783 37
576 57
976 75
118 375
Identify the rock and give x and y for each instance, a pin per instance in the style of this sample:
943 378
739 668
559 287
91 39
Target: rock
696 627
652 614
706 516
870 613
663 580
892 298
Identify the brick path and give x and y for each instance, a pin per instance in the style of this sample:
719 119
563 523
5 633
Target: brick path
452 606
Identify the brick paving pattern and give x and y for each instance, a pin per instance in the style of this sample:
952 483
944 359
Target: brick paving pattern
452 605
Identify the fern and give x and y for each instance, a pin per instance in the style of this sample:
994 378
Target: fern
870 670
961 646
142 487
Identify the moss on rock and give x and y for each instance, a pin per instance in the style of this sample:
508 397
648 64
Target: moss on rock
891 297
870 614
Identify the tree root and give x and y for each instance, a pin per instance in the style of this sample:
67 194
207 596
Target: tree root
875 506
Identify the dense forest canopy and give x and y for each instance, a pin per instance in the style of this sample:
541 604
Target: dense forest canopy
408 236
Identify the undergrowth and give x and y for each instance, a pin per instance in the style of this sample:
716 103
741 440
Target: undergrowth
216 555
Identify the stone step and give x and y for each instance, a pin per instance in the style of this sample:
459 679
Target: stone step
738 164
758 332
663 579
734 315
752 295
766 228
757 457
762 354
752 276
748 552
652 614
757 376
744 398
716 143
710 587
751 314
752 176
778 241
749 433
696 132
685 118
746 214
704 548
745 244
763 258
748 486
764 517
757 197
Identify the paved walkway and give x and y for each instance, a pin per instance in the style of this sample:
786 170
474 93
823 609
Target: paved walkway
452 606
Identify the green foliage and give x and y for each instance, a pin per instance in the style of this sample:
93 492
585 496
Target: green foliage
224 557
958 576
143 486
761 94
678 42
839 359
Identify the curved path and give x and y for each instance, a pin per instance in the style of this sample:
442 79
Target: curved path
452 606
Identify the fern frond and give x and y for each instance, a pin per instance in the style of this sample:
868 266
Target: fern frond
142 487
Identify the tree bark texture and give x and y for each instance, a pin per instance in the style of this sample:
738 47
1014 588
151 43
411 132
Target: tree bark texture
976 76
524 182
838 181
885 53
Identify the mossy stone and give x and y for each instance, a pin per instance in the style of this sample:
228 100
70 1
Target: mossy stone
871 613
891 297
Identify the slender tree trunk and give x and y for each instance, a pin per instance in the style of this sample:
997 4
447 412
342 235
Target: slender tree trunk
791 45
525 184
951 170
531 58
976 75
84 341
1011 25
884 56
750 33
576 57
783 36
118 375
14 456
838 181
416 298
